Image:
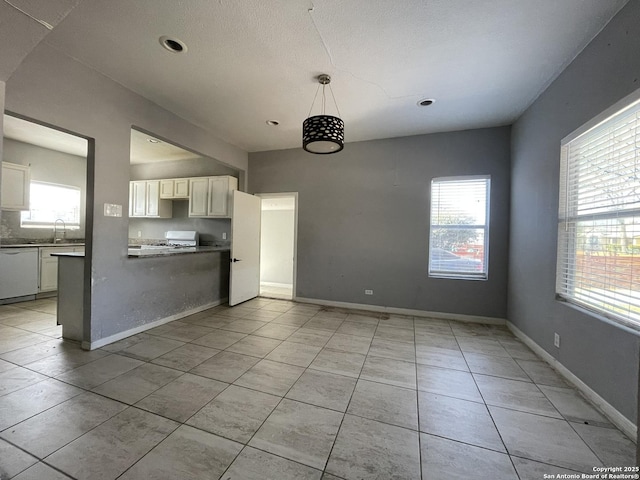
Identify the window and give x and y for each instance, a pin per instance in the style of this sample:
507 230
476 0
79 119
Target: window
459 233
599 216
50 202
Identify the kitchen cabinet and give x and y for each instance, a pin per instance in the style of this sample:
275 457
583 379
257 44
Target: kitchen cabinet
15 186
49 267
174 189
19 267
145 201
209 197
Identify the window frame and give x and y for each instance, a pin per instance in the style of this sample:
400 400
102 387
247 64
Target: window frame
34 224
565 218
484 274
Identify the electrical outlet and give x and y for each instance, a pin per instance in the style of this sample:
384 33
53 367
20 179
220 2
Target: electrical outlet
556 340
224 236
368 292
139 234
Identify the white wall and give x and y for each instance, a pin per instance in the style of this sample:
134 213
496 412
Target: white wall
276 246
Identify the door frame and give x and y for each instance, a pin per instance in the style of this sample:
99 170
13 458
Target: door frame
295 232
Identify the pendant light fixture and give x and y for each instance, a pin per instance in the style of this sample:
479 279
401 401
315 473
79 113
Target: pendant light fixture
323 134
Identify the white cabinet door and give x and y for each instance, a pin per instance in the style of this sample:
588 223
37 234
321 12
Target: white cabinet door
181 188
218 197
144 200
174 188
198 196
153 198
167 188
15 187
48 274
49 267
138 199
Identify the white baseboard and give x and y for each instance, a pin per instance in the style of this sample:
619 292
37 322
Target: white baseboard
276 284
617 418
147 326
405 311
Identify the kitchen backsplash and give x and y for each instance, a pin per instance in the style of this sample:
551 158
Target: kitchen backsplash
12 233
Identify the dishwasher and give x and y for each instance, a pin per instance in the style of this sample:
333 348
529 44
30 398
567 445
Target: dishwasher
18 272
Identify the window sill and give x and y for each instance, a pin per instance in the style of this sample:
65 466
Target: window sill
457 277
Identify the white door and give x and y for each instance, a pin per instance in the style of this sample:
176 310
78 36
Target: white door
244 283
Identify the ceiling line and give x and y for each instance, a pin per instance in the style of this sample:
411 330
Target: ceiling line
41 22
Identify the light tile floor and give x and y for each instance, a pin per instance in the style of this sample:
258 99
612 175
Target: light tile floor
272 389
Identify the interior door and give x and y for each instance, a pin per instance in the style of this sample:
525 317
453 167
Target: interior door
244 283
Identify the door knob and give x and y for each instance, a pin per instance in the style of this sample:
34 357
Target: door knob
234 260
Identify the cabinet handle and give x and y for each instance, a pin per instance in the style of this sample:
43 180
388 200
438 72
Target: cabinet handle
10 253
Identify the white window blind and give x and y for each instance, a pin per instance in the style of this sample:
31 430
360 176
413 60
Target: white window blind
599 218
459 239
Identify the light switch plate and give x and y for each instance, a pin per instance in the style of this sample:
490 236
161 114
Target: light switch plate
112 210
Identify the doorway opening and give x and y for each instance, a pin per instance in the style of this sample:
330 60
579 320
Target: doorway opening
279 218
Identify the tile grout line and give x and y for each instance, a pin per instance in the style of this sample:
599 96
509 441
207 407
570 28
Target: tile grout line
488 410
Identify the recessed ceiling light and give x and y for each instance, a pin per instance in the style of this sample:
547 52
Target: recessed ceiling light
153 140
173 44
425 102
273 123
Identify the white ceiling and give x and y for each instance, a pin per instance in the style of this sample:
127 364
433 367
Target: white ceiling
45 137
142 150
249 61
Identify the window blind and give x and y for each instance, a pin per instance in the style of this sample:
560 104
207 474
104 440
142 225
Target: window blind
458 243
599 218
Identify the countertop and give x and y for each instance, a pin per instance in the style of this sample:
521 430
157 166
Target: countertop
40 245
165 252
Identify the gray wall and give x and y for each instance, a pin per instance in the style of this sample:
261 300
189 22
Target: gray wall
201 167
276 246
2 87
363 218
605 357
210 229
55 89
46 166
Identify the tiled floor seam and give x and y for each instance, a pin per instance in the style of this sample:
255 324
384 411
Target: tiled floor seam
415 350
344 414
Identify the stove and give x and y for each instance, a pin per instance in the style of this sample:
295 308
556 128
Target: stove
175 239
182 238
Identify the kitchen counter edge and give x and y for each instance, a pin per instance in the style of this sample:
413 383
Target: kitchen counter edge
135 253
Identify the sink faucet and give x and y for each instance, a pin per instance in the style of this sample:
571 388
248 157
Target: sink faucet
55 230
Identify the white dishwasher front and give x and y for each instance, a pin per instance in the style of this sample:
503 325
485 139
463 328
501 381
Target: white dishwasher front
18 272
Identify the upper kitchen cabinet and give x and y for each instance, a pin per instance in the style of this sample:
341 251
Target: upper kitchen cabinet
174 189
209 197
145 201
15 186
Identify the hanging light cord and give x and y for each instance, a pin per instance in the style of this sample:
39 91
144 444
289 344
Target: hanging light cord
334 100
324 100
314 100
